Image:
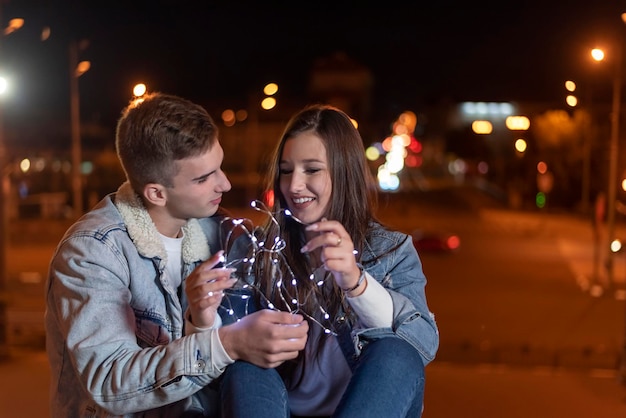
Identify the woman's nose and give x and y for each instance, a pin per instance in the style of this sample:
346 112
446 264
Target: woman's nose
296 184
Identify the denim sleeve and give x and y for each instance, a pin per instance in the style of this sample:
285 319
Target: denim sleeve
96 339
401 274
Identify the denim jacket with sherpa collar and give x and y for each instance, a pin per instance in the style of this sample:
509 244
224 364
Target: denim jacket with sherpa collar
115 325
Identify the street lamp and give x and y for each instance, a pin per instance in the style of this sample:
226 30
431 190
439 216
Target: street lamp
14 24
598 55
571 99
3 240
139 90
76 70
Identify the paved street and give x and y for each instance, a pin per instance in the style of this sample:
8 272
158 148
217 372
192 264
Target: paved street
480 391
500 391
470 380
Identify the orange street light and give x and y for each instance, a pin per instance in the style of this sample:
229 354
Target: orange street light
14 24
482 127
597 54
517 123
139 90
570 99
613 150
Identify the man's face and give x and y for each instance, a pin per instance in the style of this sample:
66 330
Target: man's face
198 186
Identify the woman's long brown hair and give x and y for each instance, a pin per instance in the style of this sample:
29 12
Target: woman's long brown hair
352 203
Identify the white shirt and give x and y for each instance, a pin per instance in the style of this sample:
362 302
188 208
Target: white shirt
173 269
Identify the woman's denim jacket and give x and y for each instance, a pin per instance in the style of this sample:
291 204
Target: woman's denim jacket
115 325
400 272
390 258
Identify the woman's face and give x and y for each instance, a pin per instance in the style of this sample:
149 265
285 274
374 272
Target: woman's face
304 177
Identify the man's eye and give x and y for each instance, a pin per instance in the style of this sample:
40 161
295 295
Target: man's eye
203 179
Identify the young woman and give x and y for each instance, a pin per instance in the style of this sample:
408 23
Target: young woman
360 285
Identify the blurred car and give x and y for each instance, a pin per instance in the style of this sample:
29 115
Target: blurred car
435 241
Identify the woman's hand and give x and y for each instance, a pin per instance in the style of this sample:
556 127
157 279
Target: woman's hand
337 252
204 288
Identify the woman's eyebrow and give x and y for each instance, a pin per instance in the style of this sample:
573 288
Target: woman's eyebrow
308 160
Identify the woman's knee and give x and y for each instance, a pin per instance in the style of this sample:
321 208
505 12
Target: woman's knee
394 354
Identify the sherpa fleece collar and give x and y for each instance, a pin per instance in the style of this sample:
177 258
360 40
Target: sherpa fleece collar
144 234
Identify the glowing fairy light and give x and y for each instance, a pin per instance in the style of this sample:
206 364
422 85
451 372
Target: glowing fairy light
288 213
237 301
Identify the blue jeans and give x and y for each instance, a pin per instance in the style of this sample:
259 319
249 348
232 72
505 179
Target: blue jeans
248 391
388 381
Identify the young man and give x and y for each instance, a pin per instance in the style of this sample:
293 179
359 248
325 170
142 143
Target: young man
122 338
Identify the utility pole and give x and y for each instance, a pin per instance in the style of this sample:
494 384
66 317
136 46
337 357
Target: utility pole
613 160
77 181
587 132
3 231
76 70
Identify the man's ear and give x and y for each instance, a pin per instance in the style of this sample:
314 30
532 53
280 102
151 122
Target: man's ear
155 194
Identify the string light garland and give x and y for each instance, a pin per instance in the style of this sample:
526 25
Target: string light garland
238 300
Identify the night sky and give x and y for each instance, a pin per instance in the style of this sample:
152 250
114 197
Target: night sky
418 52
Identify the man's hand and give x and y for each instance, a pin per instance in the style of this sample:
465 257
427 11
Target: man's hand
265 338
204 289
